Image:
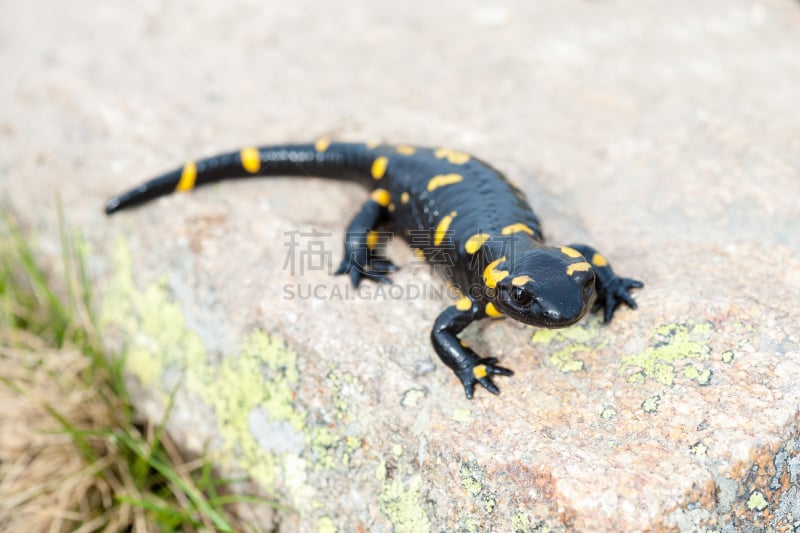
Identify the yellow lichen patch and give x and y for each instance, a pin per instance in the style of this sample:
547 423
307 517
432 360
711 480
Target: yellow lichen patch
325 444
519 281
379 167
322 144
757 501
478 485
251 159
727 356
492 311
464 304
154 326
404 149
672 348
650 404
326 525
404 198
443 180
188 177
491 276
442 227
371 145
413 397
463 416
565 359
456 158
572 344
583 266
520 522
255 384
608 413
570 252
381 197
519 227
699 448
372 240
480 371
599 260
698 373
401 502
475 242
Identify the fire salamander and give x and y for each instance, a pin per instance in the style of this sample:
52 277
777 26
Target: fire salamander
446 204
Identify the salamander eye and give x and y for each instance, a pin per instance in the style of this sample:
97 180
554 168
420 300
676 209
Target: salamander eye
520 296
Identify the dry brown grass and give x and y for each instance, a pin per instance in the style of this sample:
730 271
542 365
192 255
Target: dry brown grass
46 483
71 456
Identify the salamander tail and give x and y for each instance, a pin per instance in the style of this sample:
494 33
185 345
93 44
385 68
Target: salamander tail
323 159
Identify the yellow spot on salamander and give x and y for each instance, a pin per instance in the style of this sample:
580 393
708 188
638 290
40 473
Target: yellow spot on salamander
475 242
391 208
463 343
372 239
322 144
379 167
188 176
464 304
251 159
570 252
404 149
492 276
441 229
599 260
519 281
492 311
583 266
381 197
517 228
404 198
442 180
480 371
456 158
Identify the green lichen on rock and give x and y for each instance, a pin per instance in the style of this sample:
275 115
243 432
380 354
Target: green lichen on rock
673 347
573 342
650 405
472 477
520 523
474 480
400 502
757 501
257 379
326 525
154 328
608 413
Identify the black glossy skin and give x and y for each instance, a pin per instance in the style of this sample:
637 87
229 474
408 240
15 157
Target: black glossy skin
462 214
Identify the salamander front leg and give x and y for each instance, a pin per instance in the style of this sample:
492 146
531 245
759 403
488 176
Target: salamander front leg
611 289
467 365
360 260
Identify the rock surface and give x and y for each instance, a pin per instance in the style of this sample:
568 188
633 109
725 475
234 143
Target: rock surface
665 133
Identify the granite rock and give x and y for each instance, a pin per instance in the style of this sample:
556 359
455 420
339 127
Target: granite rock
663 133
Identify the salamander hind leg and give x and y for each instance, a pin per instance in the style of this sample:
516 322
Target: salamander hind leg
470 368
362 244
611 289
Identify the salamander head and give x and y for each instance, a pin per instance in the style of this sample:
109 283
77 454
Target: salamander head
546 287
